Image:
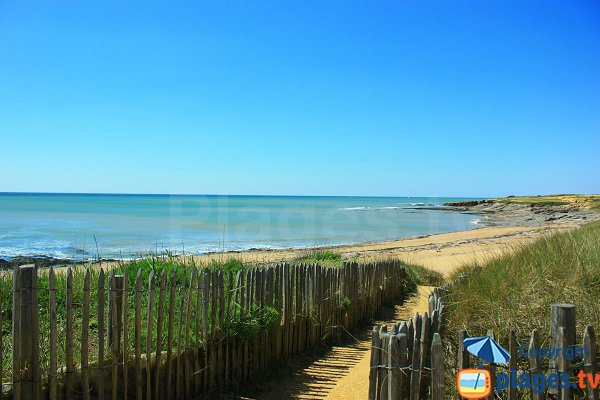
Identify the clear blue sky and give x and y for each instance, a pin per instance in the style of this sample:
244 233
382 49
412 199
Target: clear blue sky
477 98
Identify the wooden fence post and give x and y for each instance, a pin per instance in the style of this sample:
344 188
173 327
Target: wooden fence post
394 379
415 376
159 333
69 336
16 329
589 360
113 325
534 361
124 307
101 335
383 384
463 355
463 361
26 358
381 371
404 379
375 344
425 356
116 316
170 325
138 335
119 284
149 322
564 391
53 379
437 368
561 316
85 344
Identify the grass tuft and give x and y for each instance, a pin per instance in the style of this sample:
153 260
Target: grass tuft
326 258
421 275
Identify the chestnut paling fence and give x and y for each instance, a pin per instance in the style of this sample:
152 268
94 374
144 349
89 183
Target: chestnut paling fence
528 372
168 335
409 361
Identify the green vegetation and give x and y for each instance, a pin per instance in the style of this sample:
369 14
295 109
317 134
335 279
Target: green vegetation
246 327
346 303
326 258
417 274
577 200
250 325
549 203
516 289
420 275
545 203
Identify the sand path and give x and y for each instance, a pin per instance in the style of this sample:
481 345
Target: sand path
342 373
355 384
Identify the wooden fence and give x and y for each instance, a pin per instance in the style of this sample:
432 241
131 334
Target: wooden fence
165 335
569 358
408 361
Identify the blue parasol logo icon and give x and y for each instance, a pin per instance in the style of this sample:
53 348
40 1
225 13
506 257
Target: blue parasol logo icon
487 349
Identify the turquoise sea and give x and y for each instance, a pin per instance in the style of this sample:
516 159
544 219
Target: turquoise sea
125 226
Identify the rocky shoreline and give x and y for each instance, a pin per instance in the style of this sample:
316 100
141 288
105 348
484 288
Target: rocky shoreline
500 213
40 261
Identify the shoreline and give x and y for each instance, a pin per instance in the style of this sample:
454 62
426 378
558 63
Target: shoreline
502 227
47 260
442 252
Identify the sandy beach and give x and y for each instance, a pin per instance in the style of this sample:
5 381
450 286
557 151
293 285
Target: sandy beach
441 252
511 223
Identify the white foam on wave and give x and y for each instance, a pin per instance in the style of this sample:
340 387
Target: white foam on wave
370 208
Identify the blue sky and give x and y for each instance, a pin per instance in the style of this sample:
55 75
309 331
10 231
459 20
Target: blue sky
467 98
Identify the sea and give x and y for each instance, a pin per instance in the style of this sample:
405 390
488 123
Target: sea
125 226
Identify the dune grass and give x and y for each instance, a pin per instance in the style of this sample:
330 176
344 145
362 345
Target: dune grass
326 258
516 289
424 276
591 202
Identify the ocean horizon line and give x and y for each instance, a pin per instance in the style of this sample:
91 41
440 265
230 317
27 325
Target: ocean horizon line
236 195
